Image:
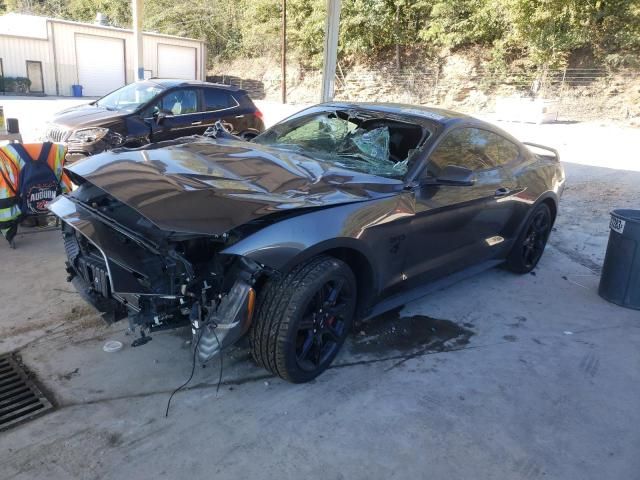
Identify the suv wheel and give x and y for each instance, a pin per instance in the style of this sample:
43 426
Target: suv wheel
303 319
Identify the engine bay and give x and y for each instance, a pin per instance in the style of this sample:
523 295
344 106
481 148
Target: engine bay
128 268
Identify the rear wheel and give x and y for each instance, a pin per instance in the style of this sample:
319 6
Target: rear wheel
528 249
303 319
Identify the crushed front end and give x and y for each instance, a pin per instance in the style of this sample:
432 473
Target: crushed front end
126 267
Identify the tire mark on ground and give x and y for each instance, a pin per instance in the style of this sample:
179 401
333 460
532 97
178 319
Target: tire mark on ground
590 364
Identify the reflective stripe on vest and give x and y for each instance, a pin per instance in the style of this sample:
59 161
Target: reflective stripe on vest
10 164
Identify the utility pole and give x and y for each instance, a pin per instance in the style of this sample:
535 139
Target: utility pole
397 37
283 67
136 10
331 30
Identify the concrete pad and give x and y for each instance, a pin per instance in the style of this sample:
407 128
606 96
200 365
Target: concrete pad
547 386
33 113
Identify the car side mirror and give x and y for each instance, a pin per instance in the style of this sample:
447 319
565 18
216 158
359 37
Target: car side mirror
161 115
453 175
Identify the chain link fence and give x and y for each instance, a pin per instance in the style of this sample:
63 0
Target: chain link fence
579 93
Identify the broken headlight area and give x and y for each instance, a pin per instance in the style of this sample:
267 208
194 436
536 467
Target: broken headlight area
90 136
182 283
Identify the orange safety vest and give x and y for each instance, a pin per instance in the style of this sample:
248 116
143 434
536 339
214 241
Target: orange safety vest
10 167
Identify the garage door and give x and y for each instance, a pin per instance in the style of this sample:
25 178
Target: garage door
176 62
100 64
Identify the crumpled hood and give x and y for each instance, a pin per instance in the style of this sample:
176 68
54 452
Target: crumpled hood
206 186
85 115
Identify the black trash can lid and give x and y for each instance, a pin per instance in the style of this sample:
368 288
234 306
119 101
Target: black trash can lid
626 214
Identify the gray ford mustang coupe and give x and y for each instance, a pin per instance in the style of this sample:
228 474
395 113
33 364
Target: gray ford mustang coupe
336 214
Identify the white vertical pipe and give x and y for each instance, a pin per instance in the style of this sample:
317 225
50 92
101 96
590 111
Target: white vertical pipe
138 62
331 30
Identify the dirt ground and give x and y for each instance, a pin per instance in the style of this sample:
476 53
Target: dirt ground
499 376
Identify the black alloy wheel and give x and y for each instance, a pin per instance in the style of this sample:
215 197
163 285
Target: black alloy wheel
303 319
323 326
529 247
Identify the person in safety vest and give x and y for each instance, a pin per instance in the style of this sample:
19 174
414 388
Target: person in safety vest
31 175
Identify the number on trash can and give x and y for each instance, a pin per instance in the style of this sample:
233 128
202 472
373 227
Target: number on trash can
617 224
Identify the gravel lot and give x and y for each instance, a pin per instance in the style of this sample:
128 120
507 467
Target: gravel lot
546 387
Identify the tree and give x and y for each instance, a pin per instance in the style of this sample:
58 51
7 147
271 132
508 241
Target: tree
118 12
544 32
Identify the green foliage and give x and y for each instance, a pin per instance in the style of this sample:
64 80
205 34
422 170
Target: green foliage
305 29
544 32
118 12
16 84
551 29
457 23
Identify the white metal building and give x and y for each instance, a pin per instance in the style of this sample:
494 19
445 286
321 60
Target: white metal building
56 54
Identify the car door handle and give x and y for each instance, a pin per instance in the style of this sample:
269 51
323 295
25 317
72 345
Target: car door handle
239 116
502 192
197 123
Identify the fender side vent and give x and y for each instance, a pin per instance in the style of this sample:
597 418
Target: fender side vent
20 398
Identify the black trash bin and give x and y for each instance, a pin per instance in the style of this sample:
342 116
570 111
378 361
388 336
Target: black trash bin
12 125
620 279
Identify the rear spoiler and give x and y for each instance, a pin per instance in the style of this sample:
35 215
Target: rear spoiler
555 157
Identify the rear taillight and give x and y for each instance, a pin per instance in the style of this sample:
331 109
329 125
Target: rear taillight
258 114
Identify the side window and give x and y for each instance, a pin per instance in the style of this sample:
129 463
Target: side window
215 99
180 102
501 150
151 109
472 148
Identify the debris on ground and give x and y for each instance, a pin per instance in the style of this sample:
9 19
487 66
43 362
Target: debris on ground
112 346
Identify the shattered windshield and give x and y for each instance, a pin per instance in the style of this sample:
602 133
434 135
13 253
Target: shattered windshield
368 144
130 97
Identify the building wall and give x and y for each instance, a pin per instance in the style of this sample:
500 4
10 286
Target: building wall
15 51
58 48
64 38
150 52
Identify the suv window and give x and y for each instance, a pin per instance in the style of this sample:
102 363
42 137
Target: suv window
473 148
180 102
215 99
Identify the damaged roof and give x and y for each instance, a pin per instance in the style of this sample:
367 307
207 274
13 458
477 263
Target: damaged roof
439 115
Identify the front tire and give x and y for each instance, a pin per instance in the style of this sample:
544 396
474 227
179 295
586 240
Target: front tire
530 245
303 319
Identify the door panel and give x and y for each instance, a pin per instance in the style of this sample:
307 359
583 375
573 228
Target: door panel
177 126
457 226
34 73
452 226
183 115
221 105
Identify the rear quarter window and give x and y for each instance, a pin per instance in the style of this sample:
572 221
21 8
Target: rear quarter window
501 150
474 148
218 99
